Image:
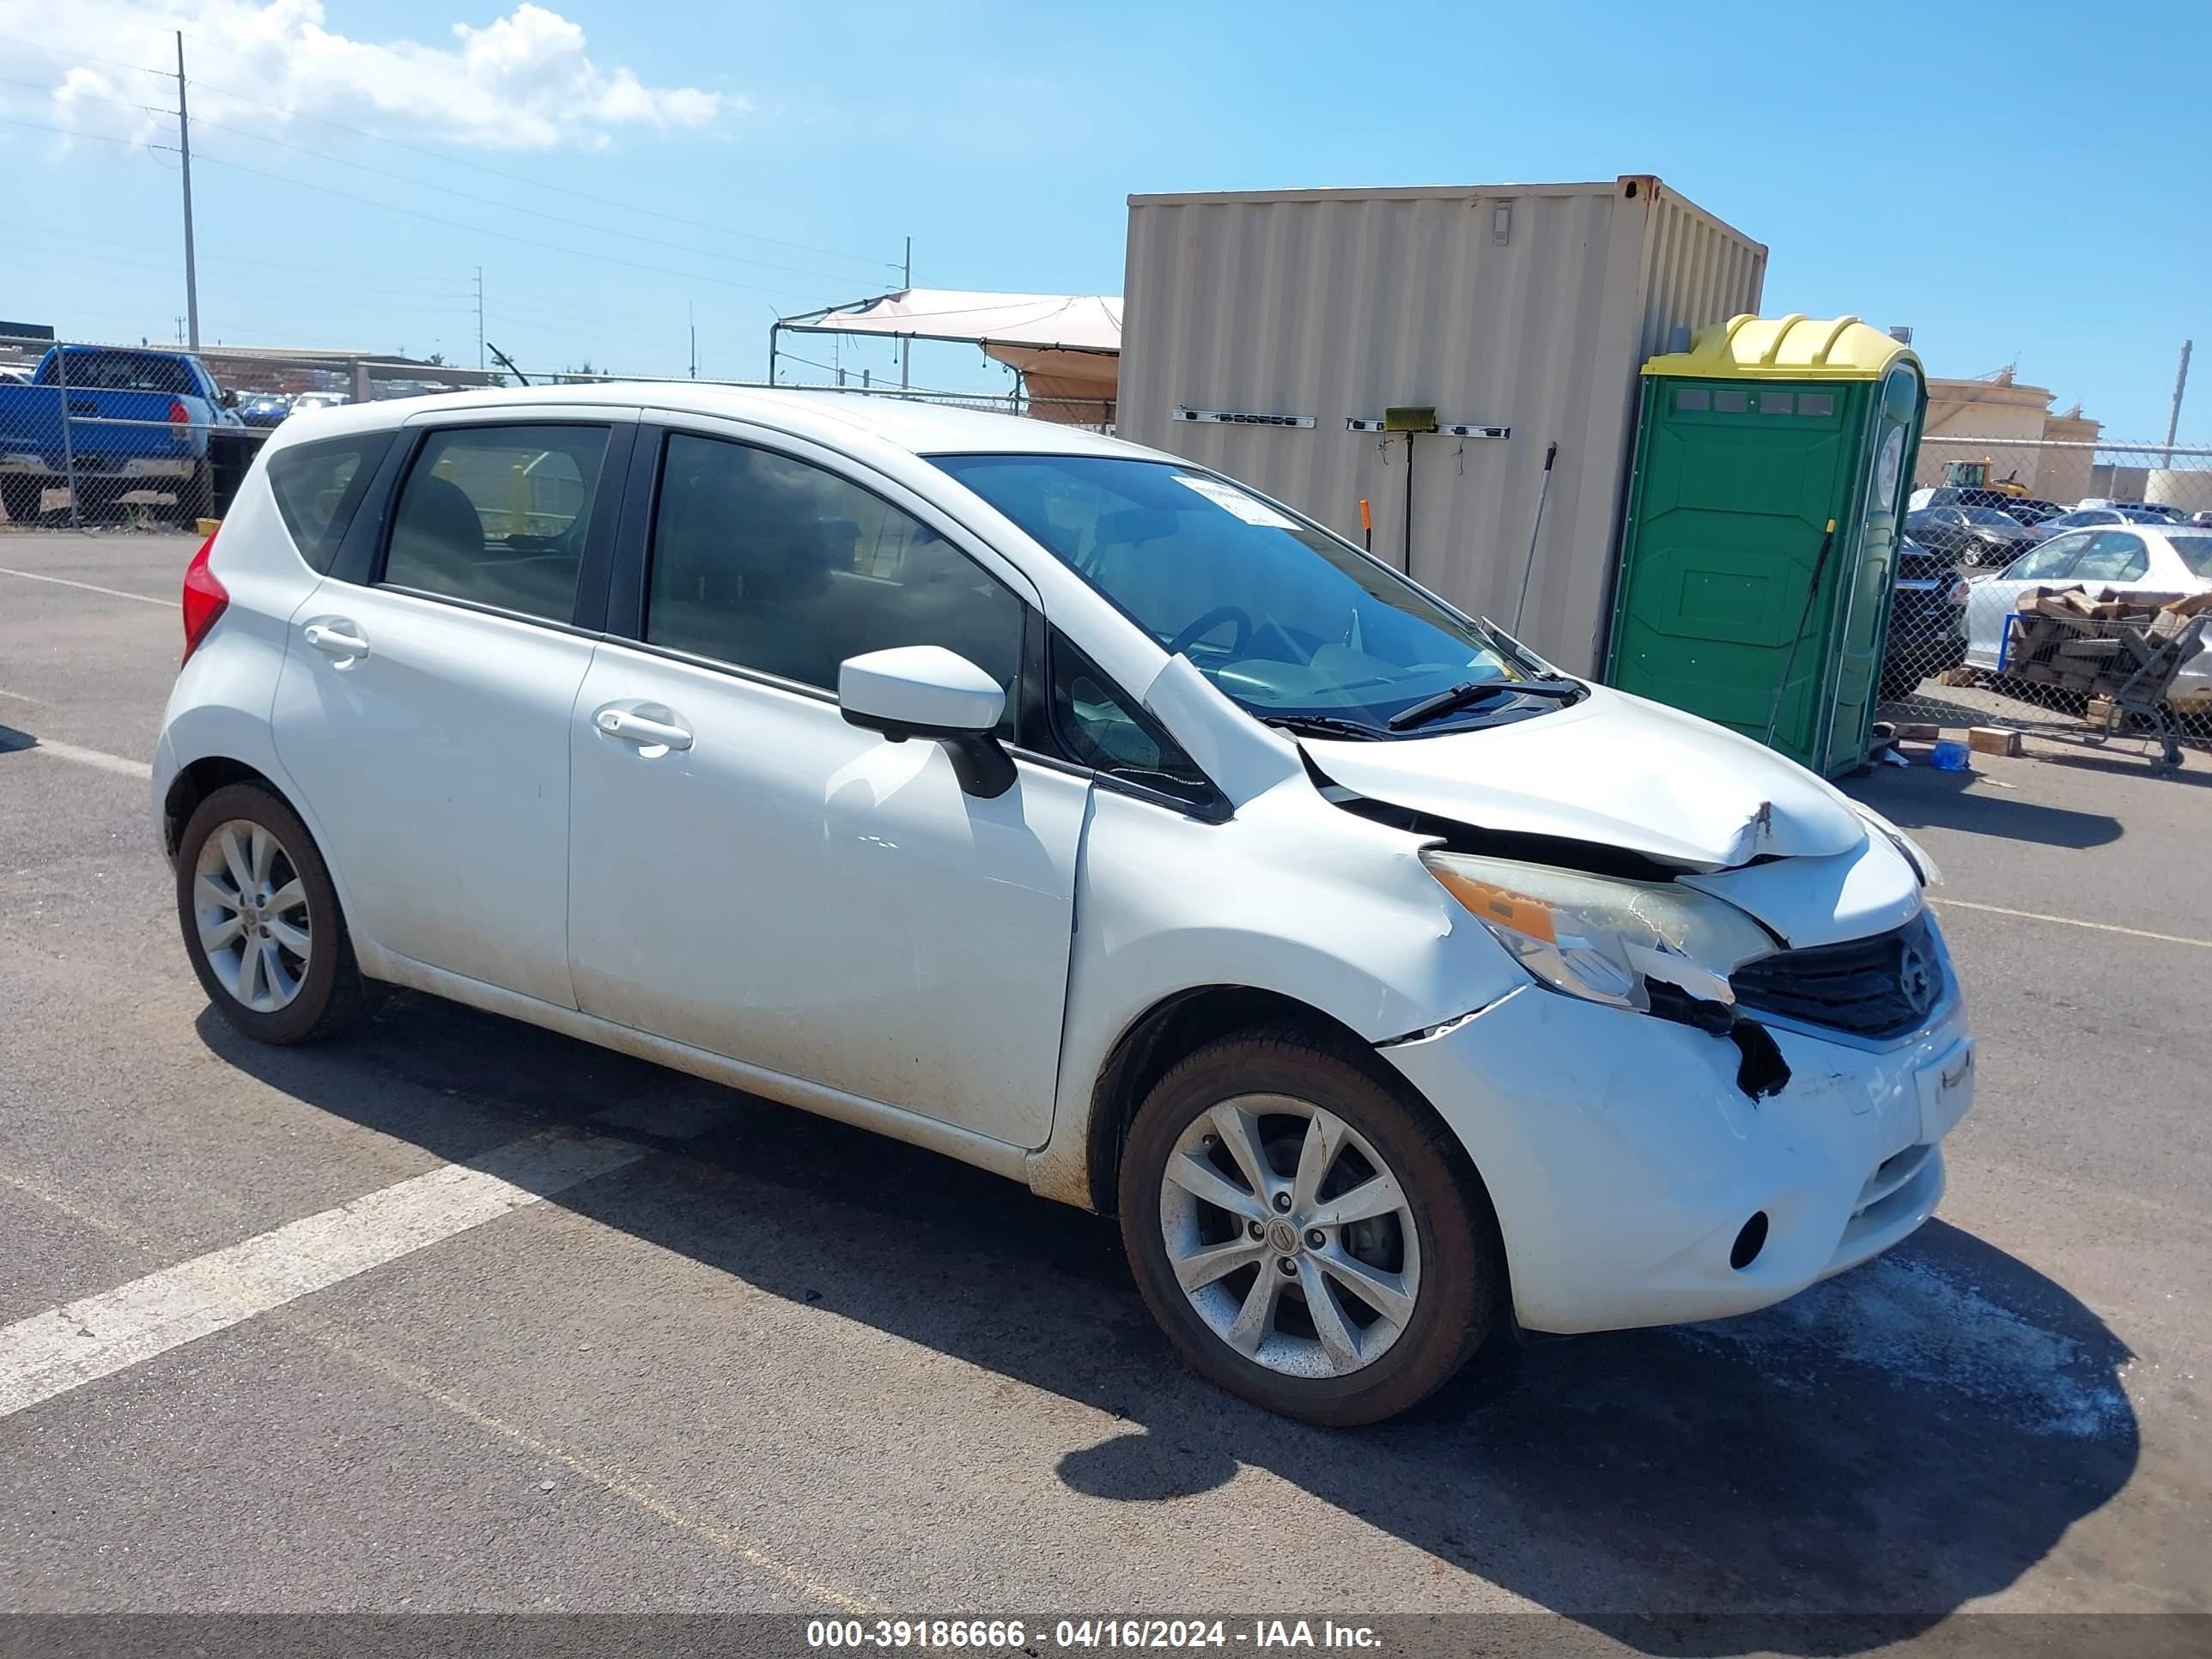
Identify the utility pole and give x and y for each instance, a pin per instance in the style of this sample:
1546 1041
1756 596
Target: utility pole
185 151
906 283
480 344
2180 385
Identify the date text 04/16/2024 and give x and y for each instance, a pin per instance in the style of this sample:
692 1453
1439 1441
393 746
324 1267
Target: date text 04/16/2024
986 1635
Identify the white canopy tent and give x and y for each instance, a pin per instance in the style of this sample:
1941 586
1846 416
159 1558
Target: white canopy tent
1066 348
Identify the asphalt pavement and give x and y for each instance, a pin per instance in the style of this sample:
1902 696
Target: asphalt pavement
763 1362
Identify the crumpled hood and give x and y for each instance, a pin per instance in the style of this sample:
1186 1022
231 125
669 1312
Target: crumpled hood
1615 770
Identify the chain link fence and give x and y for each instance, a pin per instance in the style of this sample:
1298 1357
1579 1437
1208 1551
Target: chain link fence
95 434
1999 530
105 434
102 434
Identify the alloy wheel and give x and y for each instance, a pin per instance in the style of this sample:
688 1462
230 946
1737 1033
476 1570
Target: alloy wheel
250 907
1291 1237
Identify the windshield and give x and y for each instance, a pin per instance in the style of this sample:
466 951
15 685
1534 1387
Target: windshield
1989 515
2195 552
1288 622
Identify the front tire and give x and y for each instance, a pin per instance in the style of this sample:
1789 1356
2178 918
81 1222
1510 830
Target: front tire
1306 1231
261 919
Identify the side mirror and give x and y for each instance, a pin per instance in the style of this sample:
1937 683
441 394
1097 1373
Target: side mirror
230 397
927 691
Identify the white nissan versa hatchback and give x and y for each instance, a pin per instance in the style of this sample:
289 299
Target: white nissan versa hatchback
1069 808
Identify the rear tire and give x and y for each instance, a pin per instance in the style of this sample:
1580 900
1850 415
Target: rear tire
261 919
196 496
97 498
1425 1249
23 499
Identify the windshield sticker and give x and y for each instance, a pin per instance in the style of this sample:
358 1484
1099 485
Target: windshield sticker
1250 508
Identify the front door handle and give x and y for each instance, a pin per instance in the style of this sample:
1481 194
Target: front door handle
336 638
643 730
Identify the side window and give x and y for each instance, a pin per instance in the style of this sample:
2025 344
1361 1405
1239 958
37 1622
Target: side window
319 488
776 565
2195 552
497 515
2114 556
1102 730
2049 561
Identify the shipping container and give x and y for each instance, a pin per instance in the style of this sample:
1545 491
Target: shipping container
1269 335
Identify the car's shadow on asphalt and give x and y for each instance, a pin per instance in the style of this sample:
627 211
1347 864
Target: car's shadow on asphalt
1826 1477
1923 798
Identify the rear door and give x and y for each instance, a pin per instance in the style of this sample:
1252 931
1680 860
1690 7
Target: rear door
424 703
1866 584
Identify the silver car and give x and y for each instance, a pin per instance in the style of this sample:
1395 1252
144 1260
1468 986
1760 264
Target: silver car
2134 558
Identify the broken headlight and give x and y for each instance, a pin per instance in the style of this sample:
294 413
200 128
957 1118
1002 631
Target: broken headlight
1604 940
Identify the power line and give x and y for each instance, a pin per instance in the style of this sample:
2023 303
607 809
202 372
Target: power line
84 57
71 238
423 183
509 207
458 160
505 236
559 189
68 132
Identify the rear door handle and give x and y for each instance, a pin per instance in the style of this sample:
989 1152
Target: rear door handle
336 638
643 730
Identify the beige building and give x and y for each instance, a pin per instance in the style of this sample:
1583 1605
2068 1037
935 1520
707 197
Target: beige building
1999 420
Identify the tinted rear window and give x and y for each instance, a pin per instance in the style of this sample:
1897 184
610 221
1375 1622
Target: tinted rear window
318 487
126 371
2195 552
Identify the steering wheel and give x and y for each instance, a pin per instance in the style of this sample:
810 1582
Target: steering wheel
1212 619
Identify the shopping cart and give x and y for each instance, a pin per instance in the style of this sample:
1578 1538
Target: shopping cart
2125 665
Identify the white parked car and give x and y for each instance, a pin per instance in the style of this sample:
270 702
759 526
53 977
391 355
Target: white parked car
2138 558
1071 811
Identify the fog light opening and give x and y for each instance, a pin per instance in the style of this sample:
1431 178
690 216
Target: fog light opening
1748 1242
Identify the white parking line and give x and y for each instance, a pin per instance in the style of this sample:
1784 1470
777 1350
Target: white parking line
89 588
70 751
2072 922
65 1347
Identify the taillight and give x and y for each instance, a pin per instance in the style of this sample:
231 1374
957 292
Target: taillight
205 598
179 415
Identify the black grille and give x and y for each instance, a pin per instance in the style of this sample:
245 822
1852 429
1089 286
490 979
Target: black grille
1881 987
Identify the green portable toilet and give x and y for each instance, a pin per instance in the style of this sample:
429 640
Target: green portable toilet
1750 443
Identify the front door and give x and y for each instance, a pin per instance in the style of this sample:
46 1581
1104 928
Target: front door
753 877
1865 589
424 713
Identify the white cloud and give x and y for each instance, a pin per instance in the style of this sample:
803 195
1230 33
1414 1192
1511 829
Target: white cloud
524 81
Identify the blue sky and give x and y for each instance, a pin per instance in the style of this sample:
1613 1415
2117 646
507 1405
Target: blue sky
2016 181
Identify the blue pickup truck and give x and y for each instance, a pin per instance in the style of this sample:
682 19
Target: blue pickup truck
136 420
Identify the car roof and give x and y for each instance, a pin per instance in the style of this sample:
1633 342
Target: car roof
923 429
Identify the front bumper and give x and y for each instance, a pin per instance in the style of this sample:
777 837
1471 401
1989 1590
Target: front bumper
1623 1161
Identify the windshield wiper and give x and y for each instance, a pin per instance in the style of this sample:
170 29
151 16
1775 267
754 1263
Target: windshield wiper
1322 725
1469 692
